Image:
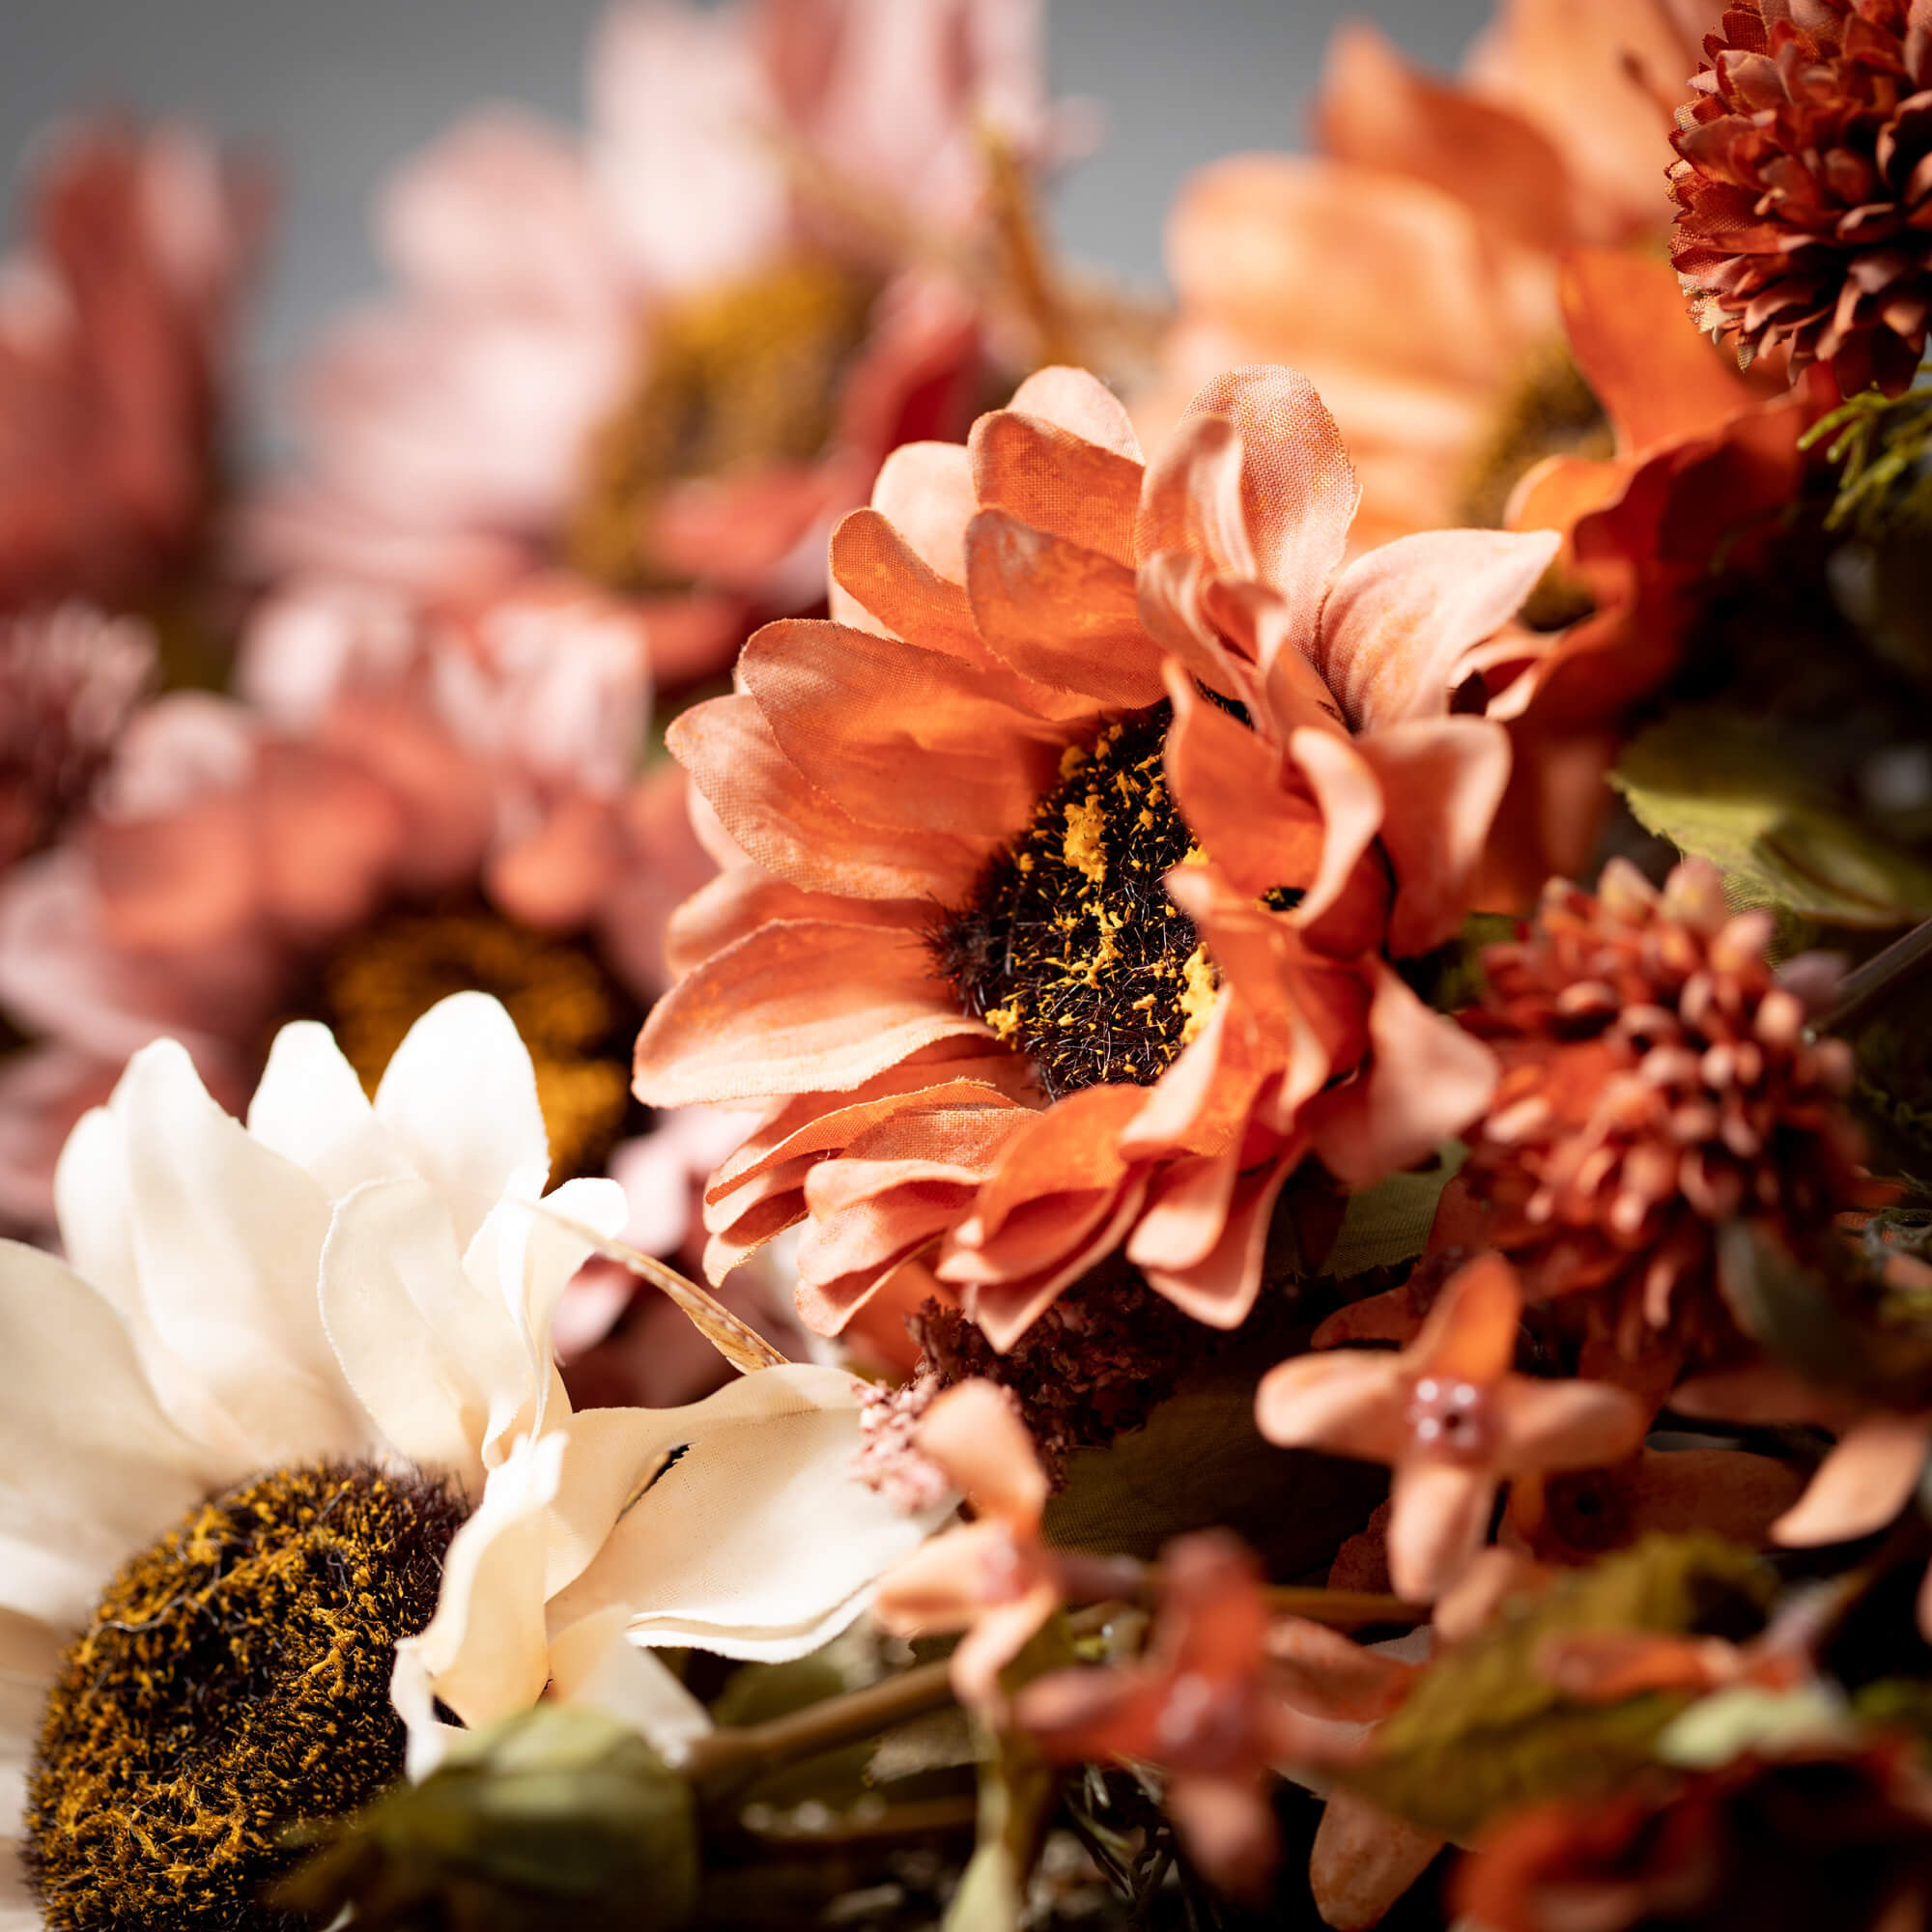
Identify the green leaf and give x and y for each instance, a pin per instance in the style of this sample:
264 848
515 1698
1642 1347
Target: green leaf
1483 1733
555 1816
1200 1460
1388 1224
1018 1791
1721 787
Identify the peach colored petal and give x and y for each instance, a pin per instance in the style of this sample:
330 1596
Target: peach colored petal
1193 501
1080 403
1344 907
1363 1860
1058 614
878 566
1442 781
1440 1515
792 1008
896 735
1298 492
1350 1402
186 880
741 899
1186 1210
795 830
925 490
1072 1148
973 1434
1056 480
1376 110
1179 595
1234 791
1203 1104
1862 1485
1328 1675
1760 1392
1426 1081
1653 369
1219 1288
942 1585
1557 493
999 1636
1568 1425
1080 1716
1401 621
1470 1334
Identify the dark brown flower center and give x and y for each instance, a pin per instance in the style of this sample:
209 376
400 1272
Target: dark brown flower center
732 382
576 1019
1070 948
233 1682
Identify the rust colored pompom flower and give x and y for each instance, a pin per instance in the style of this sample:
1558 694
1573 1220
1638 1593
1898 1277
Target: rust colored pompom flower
1805 185
1657 1082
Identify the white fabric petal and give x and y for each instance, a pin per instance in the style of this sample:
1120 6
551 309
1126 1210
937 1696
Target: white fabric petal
519 1263
596 1665
484 1651
756 1541
439 1367
94 1213
310 1109
91 1469
460 1099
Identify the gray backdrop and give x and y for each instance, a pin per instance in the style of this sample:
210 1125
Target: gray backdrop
335 90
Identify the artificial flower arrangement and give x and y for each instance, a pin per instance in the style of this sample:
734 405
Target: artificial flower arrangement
854 1093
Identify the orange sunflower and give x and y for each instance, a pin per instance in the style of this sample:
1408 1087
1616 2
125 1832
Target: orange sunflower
1071 855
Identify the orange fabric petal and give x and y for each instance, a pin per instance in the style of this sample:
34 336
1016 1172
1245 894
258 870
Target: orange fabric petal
877 566
973 1434
1297 491
1440 1515
1470 1334
1350 1402
1657 375
1075 400
794 830
896 735
1401 622
1442 781
942 1585
1426 1081
1347 904
793 1007
1376 110
925 490
741 899
1863 1483
1569 1425
1057 480
1058 614
1234 790
1218 1287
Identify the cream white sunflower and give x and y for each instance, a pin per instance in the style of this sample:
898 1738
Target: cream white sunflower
288 1404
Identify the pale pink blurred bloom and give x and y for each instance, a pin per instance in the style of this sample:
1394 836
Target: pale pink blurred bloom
393 751
114 322
70 679
449 425
1453 1420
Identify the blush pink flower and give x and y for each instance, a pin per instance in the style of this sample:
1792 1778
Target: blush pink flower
416 803
1452 1418
114 320
670 350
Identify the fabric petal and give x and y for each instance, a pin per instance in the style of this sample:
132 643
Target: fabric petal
1076 401
1056 480
974 1435
1470 1333
1569 1425
461 1101
311 1108
1401 621
1350 1401
1862 1485
1442 1510
594 1666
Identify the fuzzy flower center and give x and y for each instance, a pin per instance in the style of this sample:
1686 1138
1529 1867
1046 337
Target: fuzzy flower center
1071 949
574 1018
733 382
1548 411
233 1682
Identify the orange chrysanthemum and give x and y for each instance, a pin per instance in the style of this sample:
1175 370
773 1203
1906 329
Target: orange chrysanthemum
1182 784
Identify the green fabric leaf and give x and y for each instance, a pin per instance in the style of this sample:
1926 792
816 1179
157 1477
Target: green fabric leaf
1721 787
1483 1733
1388 1224
557 1816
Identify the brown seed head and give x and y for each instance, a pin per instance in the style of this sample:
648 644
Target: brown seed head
1657 1083
1804 185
